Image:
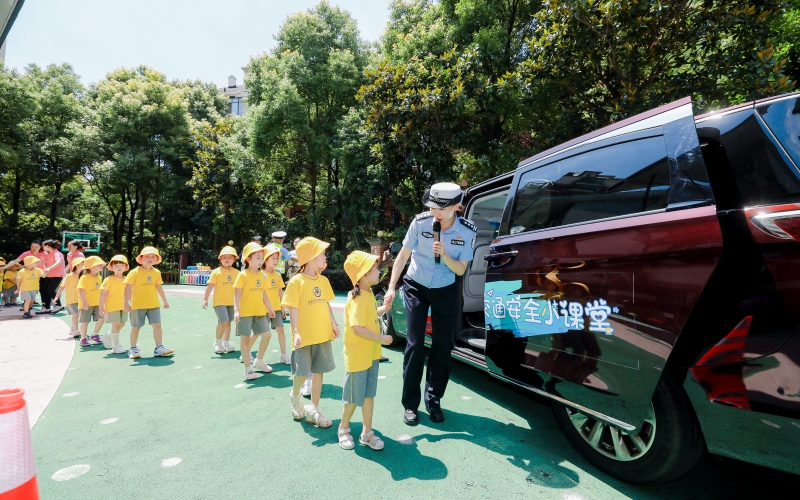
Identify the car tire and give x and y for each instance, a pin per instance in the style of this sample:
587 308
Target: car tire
673 448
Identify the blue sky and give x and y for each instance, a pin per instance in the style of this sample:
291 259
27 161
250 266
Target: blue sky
185 39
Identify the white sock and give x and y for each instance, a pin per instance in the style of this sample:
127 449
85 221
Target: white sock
115 338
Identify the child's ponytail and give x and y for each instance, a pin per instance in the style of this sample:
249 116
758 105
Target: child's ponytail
356 290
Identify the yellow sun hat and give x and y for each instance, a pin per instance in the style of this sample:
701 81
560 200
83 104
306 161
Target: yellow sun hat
358 264
75 262
250 249
228 251
308 248
270 249
30 259
148 251
119 258
92 261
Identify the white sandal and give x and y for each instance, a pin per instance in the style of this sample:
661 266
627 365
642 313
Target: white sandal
345 439
314 417
371 440
298 411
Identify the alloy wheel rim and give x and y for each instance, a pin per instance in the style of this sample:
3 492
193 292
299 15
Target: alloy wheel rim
613 442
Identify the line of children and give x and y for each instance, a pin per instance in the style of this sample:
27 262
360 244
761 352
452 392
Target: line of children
275 288
28 284
221 283
251 306
112 301
142 290
9 283
70 285
89 300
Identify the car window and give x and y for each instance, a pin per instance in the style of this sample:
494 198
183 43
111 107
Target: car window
487 212
783 118
617 180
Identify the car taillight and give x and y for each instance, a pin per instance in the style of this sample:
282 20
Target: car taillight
784 225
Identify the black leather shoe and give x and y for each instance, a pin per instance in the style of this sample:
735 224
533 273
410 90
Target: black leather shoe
410 417
436 414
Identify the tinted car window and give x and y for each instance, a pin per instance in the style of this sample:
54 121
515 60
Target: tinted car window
783 118
622 179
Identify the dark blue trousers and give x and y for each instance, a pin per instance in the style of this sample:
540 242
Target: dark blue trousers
443 304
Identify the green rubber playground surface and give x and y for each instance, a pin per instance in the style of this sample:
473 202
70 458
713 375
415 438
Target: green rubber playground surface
190 427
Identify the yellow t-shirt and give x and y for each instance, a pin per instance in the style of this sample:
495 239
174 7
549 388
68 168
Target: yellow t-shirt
144 294
10 278
115 300
223 280
69 283
274 287
253 286
310 297
30 279
91 284
359 353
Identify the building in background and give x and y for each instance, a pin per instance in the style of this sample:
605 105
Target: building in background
236 95
8 13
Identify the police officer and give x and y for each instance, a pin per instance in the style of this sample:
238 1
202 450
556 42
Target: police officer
428 284
277 238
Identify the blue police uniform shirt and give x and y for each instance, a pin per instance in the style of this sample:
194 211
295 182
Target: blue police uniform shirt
285 253
459 243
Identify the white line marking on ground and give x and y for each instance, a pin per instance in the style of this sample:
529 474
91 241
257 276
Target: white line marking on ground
71 369
170 462
70 394
71 472
381 377
466 398
196 367
109 421
239 386
405 439
276 350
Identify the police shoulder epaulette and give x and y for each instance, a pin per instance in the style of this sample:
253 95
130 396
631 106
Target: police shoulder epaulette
468 223
423 215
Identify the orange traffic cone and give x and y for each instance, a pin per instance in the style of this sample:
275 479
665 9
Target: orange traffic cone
17 465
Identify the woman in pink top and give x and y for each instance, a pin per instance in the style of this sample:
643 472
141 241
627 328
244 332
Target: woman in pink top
36 251
75 248
54 267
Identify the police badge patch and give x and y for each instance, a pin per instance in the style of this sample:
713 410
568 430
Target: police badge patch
427 234
457 242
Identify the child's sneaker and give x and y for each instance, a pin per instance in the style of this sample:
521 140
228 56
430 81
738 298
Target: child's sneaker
261 366
85 342
96 339
26 315
298 411
107 343
133 353
160 350
219 348
249 374
75 334
118 350
286 359
228 347
305 391
252 359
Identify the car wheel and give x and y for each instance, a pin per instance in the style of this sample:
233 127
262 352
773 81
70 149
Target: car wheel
385 319
667 446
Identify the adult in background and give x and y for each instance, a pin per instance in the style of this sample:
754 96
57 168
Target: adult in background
431 285
75 250
54 273
277 238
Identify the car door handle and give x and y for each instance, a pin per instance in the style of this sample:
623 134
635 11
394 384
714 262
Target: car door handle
502 255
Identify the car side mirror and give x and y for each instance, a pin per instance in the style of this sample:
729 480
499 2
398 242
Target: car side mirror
395 248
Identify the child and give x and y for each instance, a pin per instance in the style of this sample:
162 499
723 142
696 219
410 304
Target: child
362 348
112 302
142 290
69 284
89 299
250 308
10 286
275 293
221 283
313 327
28 284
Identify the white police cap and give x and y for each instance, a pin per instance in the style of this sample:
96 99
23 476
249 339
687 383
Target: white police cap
279 234
443 194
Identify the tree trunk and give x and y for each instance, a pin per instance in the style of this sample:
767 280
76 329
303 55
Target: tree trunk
141 220
155 222
15 199
134 204
54 204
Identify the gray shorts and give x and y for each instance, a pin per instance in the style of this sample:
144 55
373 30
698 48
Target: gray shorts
138 315
277 321
73 308
360 385
87 315
117 317
28 295
9 292
252 325
317 358
224 314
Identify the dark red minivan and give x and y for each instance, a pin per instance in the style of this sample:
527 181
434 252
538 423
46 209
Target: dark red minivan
646 277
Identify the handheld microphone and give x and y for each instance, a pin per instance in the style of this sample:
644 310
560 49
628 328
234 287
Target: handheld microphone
437 228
